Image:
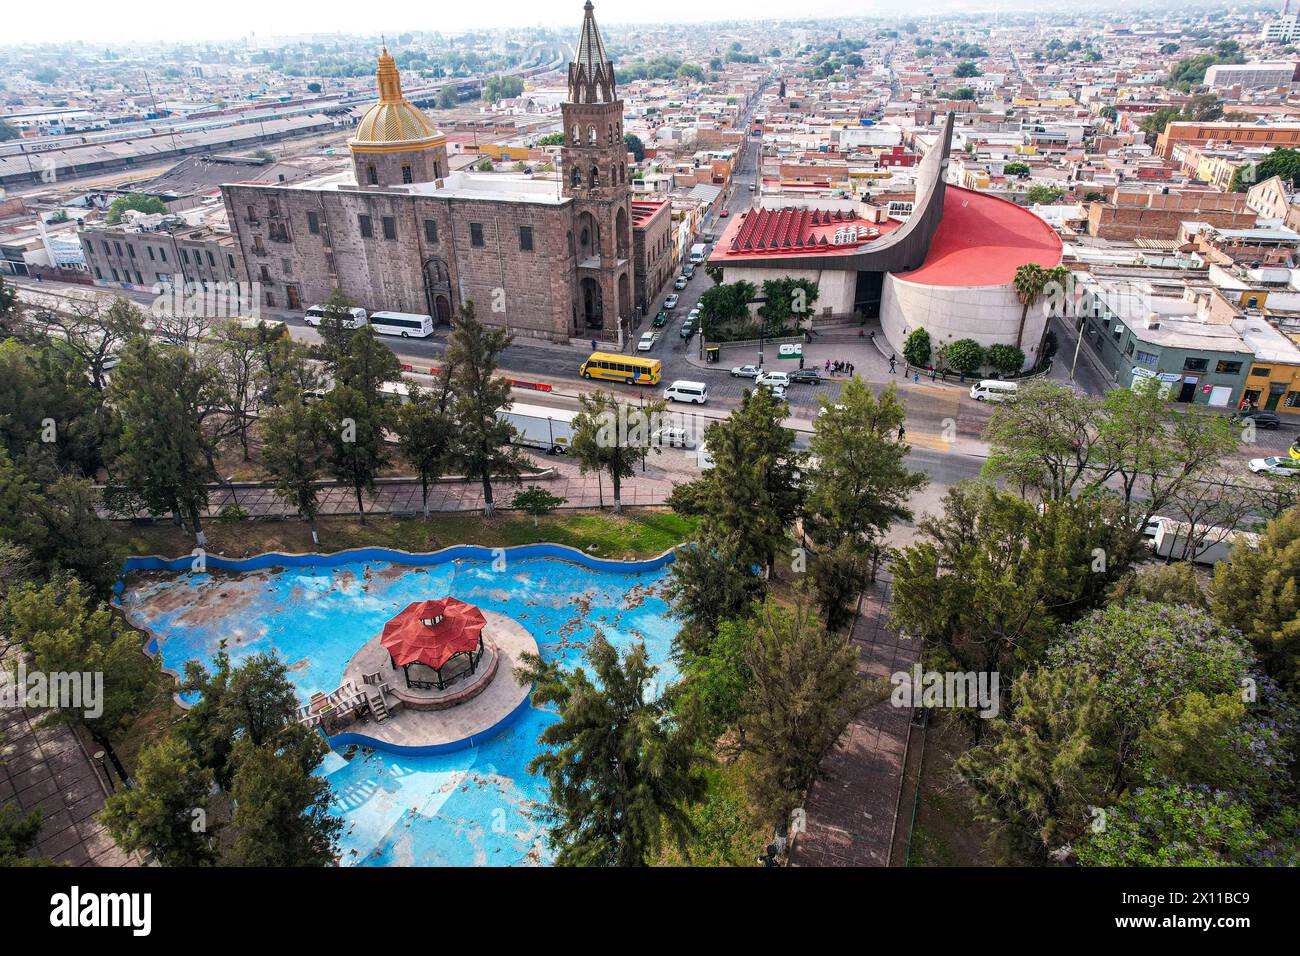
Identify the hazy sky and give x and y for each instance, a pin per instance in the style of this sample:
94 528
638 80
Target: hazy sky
122 21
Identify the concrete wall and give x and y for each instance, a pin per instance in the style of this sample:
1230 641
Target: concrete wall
988 314
836 287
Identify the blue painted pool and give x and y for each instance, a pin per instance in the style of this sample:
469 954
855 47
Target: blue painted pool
476 806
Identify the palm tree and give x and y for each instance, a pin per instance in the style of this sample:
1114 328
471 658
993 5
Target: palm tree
1029 281
1058 280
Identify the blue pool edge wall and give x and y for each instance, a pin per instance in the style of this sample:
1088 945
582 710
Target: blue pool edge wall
418 559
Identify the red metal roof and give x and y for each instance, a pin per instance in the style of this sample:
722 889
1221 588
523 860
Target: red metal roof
763 232
982 240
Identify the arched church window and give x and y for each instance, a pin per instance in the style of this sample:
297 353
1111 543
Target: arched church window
576 178
591 135
611 134
595 176
577 135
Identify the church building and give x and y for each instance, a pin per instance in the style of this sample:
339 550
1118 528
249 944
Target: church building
549 258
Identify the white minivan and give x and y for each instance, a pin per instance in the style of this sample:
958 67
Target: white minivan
683 391
317 312
991 390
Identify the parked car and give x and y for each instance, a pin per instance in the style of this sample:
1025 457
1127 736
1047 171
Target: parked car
688 329
688 271
660 320
673 438
1262 419
747 371
806 376
647 341
773 379
1286 467
670 303
777 390
724 214
680 282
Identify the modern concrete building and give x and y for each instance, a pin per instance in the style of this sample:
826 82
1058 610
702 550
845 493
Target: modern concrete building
947 268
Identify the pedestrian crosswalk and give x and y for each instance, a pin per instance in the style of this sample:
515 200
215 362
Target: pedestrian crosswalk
928 440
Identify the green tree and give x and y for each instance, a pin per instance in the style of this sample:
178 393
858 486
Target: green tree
166 403
716 679
1043 195
552 139
861 484
67 631
294 448
634 146
613 436
1045 438
753 488
18 835
165 813
138 202
426 432
1281 162
966 69
989 580
916 349
448 98
621 769
354 429
804 690
282 808
1016 169
710 582
1173 825
786 299
1045 765
1257 591
482 441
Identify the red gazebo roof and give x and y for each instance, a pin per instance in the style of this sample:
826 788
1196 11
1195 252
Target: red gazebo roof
410 640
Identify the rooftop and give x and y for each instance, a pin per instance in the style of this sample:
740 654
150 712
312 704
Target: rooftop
782 232
982 240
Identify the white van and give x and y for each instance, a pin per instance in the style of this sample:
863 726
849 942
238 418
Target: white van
773 379
683 391
317 312
991 390
697 253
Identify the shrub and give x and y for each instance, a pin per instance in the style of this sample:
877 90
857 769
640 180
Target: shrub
917 348
965 356
1005 359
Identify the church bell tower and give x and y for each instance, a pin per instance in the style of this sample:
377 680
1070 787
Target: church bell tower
594 171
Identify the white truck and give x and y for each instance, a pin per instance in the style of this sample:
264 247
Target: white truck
537 426
697 253
1175 539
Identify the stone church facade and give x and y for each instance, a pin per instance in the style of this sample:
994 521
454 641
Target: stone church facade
401 232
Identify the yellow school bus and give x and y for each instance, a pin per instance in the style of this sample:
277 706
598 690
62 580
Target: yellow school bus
622 368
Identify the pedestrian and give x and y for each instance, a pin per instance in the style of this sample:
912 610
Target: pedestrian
916 376
893 361
901 433
932 373
861 332
828 365
593 345
852 368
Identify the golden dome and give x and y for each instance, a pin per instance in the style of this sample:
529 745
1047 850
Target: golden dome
393 124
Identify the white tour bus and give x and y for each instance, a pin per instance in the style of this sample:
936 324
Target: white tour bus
405 324
318 312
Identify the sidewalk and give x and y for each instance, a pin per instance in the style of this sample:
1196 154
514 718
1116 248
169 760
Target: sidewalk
851 810
45 767
403 497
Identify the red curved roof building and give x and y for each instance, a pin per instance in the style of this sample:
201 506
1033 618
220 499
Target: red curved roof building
947 268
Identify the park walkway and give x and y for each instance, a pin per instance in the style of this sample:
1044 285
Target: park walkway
402 496
43 766
849 815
